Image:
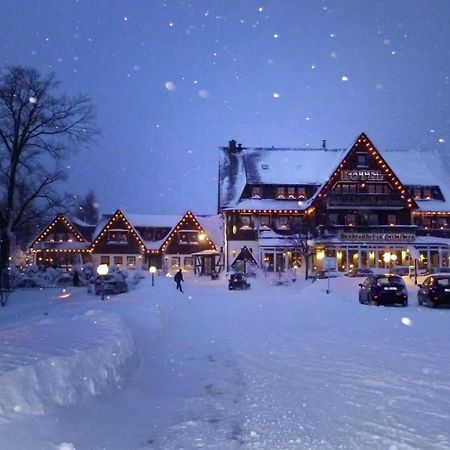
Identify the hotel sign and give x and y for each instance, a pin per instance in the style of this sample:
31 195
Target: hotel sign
362 175
378 237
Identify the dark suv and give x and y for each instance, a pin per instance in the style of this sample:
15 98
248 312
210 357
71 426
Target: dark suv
237 281
383 290
434 291
110 285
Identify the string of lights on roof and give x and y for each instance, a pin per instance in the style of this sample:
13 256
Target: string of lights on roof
187 216
271 211
363 140
116 217
431 213
59 218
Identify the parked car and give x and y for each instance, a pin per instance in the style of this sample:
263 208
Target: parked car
323 274
402 271
237 281
431 271
434 291
383 290
111 285
359 272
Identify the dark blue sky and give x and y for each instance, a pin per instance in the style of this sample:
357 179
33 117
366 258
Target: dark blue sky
174 80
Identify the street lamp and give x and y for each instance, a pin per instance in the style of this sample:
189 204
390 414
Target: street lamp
152 270
390 258
102 270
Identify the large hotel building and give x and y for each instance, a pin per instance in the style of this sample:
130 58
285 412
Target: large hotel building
362 203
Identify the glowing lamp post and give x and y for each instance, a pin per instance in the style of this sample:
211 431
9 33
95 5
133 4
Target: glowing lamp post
390 258
152 270
102 270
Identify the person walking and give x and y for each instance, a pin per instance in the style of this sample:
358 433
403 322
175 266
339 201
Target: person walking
178 278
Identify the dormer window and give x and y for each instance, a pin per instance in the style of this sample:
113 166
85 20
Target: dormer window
427 193
118 236
256 192
283 223
291 192
280 193
264 222
361 160
417 193
188 237
392 220
246 223
301 193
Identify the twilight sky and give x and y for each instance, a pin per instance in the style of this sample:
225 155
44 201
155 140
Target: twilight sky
174 80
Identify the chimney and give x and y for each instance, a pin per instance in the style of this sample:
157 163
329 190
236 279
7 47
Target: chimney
233 147
324 144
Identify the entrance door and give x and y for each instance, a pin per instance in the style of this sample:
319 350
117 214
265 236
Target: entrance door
207 265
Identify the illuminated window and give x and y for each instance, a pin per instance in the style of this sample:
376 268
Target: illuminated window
104 259
417 193
301 193
188 237
283 223
118 260
188 262
117 237
427 193
280 192
131 261
291 192
265 221
256 191
350 220
246 223
392 219
175 262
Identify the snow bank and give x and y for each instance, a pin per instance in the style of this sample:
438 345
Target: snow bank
59 361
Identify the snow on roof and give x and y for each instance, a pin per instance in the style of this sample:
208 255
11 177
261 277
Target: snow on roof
271 204
213 227
78 222
289 166
152 220
422 168
285 166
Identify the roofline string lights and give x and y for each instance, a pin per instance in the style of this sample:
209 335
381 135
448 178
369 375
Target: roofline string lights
118 215
59 218
384 166
188 215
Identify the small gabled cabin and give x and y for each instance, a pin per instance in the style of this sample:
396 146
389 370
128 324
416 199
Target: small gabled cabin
63 243
195 244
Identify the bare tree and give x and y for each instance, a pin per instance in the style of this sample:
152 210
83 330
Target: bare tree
38 127
301 241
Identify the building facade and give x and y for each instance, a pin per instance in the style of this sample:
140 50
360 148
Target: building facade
362 207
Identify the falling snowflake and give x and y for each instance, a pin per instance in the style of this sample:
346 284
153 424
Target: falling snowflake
276 95
344 78
203 93
276 36
169 85
441 140
406 321
32 100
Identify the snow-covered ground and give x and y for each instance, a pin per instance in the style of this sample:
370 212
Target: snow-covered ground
275 367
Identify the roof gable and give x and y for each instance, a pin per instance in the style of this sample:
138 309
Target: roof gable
383 171
188 218
63 223
116 220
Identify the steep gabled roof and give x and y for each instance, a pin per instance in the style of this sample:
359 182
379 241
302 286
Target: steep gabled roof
179 226
82 241
364 143
119 215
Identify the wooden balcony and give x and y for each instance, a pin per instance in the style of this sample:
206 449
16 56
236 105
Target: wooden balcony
372 200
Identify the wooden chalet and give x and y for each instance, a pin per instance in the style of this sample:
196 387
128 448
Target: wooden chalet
191 242
63 242
361 203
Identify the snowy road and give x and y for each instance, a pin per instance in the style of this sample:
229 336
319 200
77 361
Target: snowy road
270 368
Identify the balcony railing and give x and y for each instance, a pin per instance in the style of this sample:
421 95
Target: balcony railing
364 200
